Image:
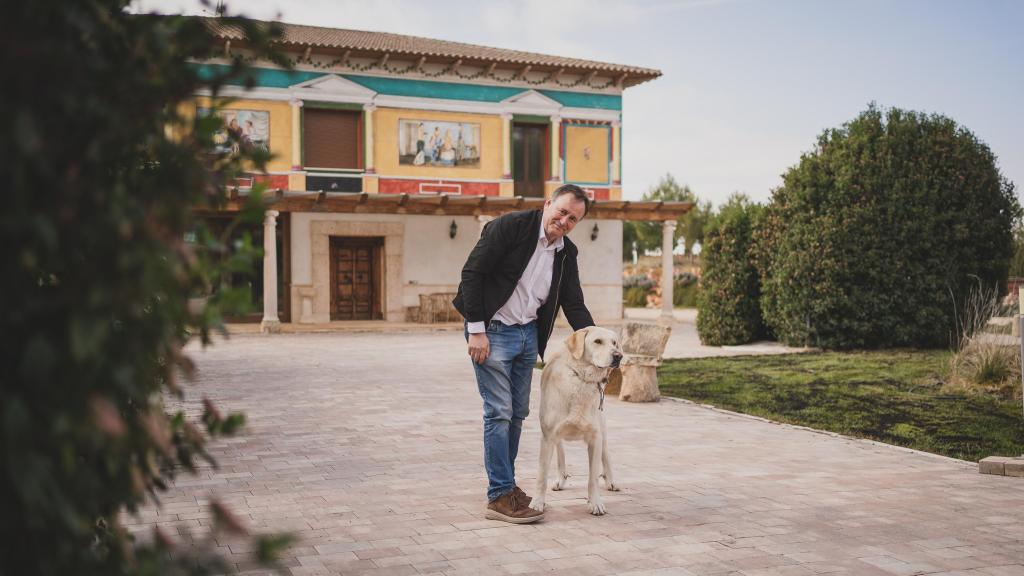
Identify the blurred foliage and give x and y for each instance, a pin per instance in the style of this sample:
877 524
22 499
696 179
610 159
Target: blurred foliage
876 236
729 308
102 168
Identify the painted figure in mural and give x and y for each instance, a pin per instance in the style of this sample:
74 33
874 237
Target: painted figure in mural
421 143
234 134
527 256
435 144
460 147
447 149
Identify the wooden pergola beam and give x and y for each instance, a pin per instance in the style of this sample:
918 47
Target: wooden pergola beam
451 205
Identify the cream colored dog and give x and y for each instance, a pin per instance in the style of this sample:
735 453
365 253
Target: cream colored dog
572 408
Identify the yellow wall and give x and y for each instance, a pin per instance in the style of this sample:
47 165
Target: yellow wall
579 168
385 147
280 128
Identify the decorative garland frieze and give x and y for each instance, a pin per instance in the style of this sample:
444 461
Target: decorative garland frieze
488 72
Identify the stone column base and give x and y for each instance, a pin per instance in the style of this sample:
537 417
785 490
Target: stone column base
270 326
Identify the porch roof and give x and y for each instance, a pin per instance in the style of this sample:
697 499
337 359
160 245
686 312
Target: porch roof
448 205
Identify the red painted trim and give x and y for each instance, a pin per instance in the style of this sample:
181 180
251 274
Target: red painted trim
437 186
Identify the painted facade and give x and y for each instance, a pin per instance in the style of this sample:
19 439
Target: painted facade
409 124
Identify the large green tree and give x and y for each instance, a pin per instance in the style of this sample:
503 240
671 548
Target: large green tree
876 236
101 171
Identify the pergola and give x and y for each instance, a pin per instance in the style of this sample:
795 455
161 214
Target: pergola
484 207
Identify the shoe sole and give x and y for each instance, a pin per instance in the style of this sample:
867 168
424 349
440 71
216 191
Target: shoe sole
493 515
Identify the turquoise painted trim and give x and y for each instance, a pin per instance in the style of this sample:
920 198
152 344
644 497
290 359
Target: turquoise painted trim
425 89
582 100
565 159
262 77
272 78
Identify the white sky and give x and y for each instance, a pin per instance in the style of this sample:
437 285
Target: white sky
748 84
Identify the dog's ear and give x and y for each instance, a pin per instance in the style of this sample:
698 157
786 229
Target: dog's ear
576 343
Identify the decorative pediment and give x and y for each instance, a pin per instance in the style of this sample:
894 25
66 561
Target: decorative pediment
332 88
531 102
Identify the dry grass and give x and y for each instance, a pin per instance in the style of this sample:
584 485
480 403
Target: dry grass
983 362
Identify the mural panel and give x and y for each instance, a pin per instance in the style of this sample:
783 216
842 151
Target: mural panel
434 143
242 129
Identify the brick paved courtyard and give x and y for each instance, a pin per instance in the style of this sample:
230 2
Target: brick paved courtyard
367 447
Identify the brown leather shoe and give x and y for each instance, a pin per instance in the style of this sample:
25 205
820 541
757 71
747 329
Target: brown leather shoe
512 508
522 496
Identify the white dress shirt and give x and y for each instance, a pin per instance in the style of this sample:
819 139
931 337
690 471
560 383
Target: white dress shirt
531 290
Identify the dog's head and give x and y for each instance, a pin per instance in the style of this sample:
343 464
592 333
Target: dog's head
596 346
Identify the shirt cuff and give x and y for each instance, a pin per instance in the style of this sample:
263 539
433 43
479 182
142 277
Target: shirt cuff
476 327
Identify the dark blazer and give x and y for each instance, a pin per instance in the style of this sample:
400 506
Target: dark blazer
498 261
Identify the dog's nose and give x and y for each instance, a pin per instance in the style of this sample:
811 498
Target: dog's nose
616 358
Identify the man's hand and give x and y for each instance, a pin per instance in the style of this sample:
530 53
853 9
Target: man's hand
479 347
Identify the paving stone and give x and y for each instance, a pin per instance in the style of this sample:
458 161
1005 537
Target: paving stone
368 447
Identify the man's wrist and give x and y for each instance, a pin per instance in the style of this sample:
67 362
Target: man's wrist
476 327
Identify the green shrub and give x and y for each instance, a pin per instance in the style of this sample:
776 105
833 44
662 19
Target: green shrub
99 197
877 234
729 301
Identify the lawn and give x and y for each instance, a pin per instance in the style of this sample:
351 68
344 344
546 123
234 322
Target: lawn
897 397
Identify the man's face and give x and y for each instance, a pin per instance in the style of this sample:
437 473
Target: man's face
561 215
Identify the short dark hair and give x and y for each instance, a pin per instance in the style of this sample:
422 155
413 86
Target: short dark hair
576 191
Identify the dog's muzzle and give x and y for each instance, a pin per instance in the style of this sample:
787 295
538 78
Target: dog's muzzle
616 359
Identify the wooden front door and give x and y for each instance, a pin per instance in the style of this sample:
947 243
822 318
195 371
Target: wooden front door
529 159
356 270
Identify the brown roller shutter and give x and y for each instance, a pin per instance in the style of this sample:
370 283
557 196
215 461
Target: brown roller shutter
331 138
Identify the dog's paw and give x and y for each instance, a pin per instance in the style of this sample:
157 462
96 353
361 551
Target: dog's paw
610 484
596 507
560 483
537 504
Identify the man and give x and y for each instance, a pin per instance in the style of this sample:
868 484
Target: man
522 270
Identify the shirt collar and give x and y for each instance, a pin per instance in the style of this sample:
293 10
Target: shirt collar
558 245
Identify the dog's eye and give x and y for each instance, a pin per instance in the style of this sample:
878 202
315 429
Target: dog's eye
598 342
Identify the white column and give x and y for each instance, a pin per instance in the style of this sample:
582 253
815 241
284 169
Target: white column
296 134
667 270
506 146
556 143
270 321
368 110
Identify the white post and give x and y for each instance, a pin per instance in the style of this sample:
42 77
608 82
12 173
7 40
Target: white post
270 323
506 146
368 110
667 272
556 143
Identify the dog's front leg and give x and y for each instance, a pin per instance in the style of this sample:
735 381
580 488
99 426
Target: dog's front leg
563 477
609 480
542 474
595 449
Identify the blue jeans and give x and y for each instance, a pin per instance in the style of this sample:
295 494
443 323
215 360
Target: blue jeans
504 382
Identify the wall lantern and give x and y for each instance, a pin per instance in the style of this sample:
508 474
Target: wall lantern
593 233
453 230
